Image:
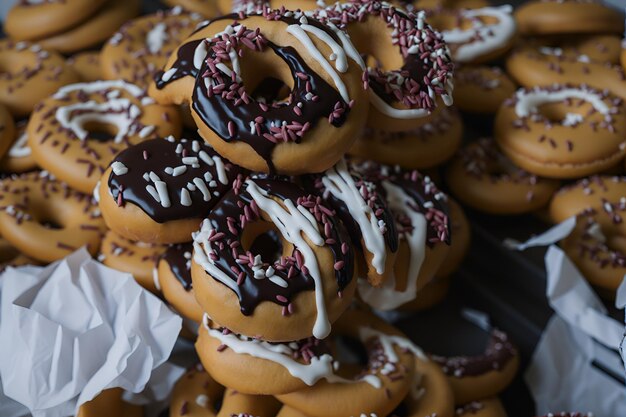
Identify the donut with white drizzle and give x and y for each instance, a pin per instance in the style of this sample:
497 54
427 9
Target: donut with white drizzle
482 41
65 132
159 190
30 74
7 131
174 281
562 131
486 180
365 214
18 158
47 220
294 286
142 46
415 62
309 130
420 214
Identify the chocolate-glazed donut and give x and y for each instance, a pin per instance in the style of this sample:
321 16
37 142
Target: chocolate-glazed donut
290 289
309 130
158 191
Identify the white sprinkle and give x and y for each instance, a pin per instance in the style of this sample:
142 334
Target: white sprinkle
206 158
119 168
145 131
278 281
179 170
179 148
153 193
167 75
161 188
208 176
146 176
213 184
202 400
195 146
154 177
206 194
185 198
190 160
169 170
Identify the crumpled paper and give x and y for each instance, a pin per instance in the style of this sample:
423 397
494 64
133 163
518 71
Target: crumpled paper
576 366
550 236
75 328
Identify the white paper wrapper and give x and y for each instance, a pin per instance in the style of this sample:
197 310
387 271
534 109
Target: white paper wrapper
550 236
580 338
76 328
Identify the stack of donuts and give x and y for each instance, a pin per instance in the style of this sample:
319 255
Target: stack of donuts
258 171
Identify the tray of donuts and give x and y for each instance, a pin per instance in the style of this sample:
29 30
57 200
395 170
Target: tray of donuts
274 194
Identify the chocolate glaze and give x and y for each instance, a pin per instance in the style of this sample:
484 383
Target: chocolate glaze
183 64
180 266
161 153
251 291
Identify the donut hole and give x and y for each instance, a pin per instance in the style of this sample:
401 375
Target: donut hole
263 238
100 131
350 351
373 40
266 75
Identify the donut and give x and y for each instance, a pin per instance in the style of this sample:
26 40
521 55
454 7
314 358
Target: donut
596 48
109 403
45 219
597 246
29 75
476 35
565 414
544 66
174 278
18 158
415 70
375 387
429 296
428 145
7 131
474 378
207 8
142 45
490 407
486 180
195 394
546 130
87 65
551 17
420 215
481 89
461 231
137 258
30 20
587 195
76 132
433 5
289 272
623 55
159 191
306 132
362 208
95 30
244 405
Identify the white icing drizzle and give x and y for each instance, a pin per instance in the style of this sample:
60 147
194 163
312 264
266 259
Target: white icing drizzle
389 341
341 185
388 110
156 37
20 148
341 60
98 86
529 101
386 297
299 33
292 225
481 38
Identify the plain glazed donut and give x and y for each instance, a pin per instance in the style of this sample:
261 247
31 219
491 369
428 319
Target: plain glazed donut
490 407
363 210
61 131
30 20
158 191
18 158
490 34
142 46
174 276
419 215
7 131
415 68
45 219
195 394
309 131
428 145
289 272
486 180
137 258
586 196
482 376
481 89
376 387
552 17
109 403
86 65
459 244
597 246
546 66
95 30
562 131
30 74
